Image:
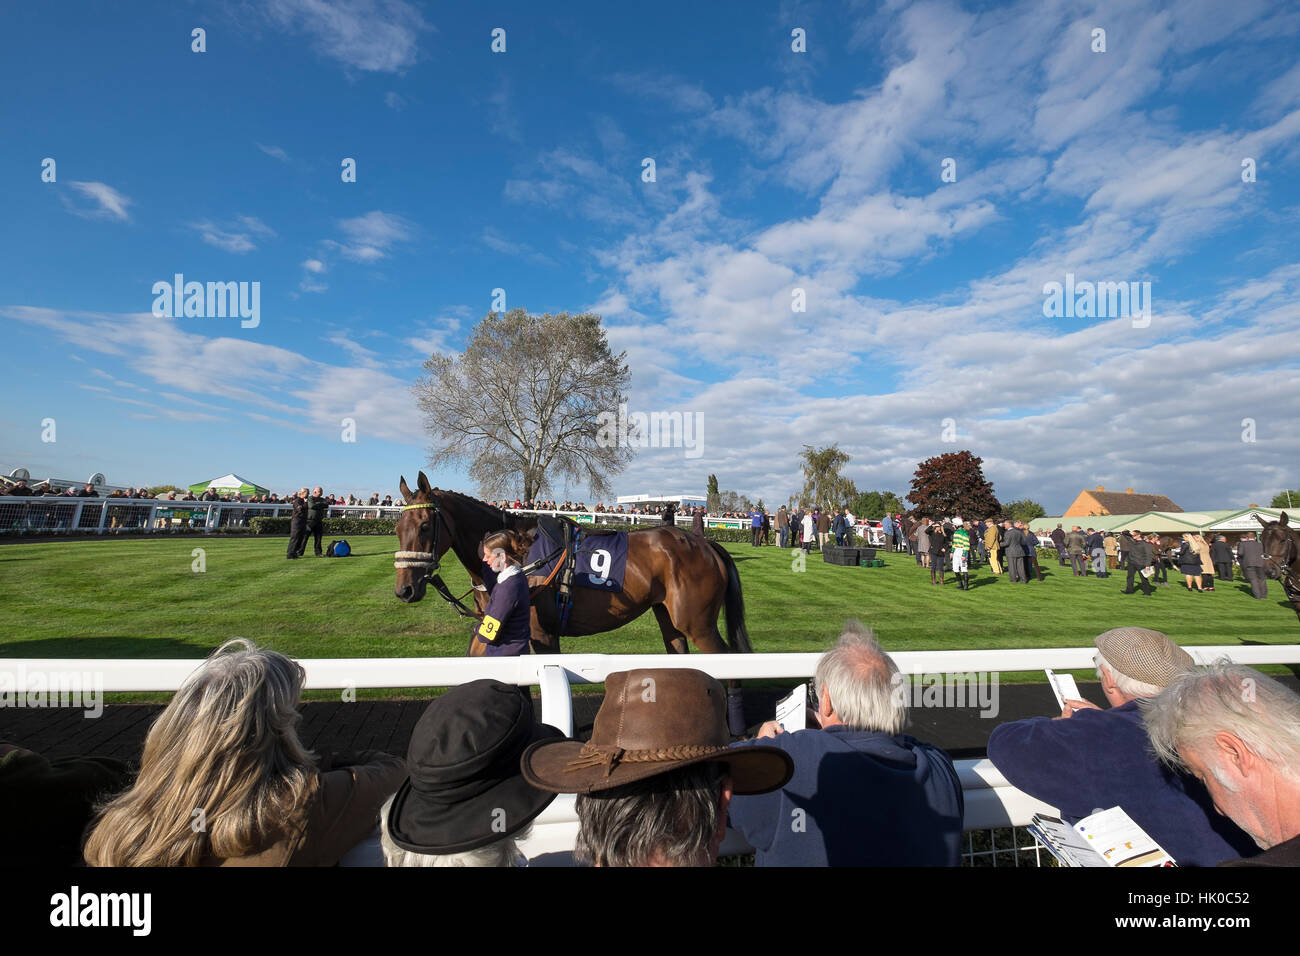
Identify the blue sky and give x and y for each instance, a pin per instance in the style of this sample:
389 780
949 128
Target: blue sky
775 170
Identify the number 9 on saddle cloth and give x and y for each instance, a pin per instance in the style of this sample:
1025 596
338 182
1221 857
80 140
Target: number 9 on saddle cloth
592 559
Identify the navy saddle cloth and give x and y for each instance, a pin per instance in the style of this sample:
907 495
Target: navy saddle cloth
601 558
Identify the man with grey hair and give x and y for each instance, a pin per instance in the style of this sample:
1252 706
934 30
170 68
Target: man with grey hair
1090 759
863 793
1238 733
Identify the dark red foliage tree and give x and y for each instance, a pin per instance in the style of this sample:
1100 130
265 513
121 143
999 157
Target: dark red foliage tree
952 484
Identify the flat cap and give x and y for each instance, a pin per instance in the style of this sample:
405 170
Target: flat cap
1144 655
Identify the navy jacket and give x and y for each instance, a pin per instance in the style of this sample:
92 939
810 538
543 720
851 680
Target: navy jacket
505 625
1100 759
857 798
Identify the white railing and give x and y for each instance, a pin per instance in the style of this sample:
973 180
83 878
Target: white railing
24 515
990 800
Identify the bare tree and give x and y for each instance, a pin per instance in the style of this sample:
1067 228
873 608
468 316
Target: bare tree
519 406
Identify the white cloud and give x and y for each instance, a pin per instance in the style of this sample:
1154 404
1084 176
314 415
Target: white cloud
499 243
109 203
236 237
678 93
359 354
262 381
274 151
372 236
503 119
379 36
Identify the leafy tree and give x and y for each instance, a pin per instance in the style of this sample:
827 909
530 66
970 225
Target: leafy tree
157 490
713 498
731 501
822 482
529 400
952 484
1285 499
874 504
1024 510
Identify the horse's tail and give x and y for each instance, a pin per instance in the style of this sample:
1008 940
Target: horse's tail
737 635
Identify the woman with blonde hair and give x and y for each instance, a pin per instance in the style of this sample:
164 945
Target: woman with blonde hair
1207 563
1189 563
225 781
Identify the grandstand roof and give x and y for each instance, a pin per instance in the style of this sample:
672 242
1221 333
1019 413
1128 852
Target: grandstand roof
638 499
1155 522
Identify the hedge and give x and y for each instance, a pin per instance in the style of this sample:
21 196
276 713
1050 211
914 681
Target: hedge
330 526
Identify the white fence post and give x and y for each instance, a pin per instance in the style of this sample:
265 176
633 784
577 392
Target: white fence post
557 700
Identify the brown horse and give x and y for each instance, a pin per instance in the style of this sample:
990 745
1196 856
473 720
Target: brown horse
1281 544
685 579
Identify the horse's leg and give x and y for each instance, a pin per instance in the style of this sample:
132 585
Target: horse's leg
702 631
675 642
542 641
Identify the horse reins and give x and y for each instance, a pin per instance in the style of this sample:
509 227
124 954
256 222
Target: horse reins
1290 582
428 560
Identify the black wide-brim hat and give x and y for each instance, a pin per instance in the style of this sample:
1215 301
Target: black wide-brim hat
464 788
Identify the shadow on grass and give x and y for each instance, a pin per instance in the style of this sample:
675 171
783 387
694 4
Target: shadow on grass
111 647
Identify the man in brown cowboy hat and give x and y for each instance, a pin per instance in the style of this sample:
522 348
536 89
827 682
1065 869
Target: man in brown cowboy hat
656 778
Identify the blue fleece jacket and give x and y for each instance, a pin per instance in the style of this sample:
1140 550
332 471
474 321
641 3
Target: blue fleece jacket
1100 759
857 798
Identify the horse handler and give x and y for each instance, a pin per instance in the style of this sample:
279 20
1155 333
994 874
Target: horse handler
505 628
298 525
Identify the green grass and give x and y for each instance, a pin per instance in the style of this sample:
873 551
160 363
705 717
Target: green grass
140 598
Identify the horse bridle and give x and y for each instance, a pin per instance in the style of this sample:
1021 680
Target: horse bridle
1286 575
428 560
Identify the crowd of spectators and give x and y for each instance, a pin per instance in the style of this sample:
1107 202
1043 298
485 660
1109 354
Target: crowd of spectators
1210 771
1012 548
21 488
656 510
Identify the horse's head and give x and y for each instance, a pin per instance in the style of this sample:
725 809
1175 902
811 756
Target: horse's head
423 537
1279 545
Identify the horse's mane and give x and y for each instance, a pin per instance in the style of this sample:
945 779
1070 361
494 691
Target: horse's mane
484 509
468 499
